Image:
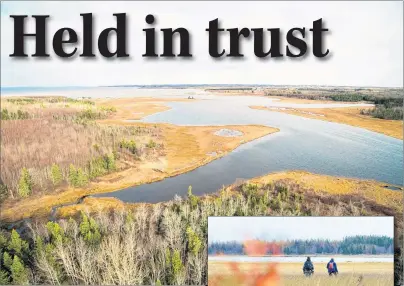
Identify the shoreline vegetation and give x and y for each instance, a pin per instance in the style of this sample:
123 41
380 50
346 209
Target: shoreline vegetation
342 188
166 243
385 117
137 153
346 115
88 147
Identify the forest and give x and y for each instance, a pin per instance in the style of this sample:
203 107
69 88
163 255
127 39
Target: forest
53 143
352 245
160 244
388 102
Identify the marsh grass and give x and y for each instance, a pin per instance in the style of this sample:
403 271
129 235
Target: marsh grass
317 280
353 279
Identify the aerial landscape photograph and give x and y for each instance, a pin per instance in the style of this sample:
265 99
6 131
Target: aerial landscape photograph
133 172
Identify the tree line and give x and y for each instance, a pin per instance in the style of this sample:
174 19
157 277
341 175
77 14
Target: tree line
387 105
351 245
155 244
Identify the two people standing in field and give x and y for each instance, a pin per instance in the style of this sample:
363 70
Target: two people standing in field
308 267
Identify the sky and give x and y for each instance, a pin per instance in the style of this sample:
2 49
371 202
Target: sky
284 228
365 40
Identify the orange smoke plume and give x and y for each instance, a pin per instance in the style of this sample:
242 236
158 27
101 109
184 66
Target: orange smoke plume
253 276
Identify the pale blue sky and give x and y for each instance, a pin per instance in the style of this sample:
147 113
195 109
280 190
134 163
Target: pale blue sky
365 40
283 228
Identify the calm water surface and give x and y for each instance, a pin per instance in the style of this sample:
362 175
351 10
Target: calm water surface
315 259
302 144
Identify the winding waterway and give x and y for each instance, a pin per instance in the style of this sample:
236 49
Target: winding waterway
302 144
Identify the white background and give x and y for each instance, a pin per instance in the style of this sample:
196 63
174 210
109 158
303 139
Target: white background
365 40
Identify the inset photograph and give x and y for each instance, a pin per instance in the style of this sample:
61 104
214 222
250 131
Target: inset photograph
301 251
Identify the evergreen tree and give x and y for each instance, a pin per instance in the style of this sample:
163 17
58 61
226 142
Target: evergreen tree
89 230
77 177
110 162
194 242
374 250
55 231
7 260
193 200
174 265
56 175
16 244
25 183
18 272
3 242
72 175
4 280
81 178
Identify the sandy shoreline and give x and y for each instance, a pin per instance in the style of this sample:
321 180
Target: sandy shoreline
338 186
346 115
187 148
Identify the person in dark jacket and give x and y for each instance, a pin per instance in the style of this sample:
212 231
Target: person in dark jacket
332 267
308 267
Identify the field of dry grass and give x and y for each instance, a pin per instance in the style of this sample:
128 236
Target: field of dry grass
361 273
340 186
349 280
346 115
136 108
52 135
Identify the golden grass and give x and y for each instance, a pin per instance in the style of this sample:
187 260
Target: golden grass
351 273
292 268
37 206
342 280
349 116
186 149
136 108
95 205
189 147
368 189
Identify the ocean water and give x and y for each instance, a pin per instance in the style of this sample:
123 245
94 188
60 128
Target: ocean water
302 144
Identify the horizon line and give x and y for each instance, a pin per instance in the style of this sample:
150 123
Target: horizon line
197 84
